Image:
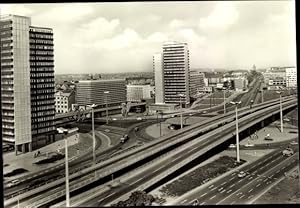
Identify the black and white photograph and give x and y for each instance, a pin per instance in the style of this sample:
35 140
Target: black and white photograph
149 103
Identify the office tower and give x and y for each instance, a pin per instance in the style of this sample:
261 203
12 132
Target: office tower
27 83
158 78
42 84
196 82
92 92
176 72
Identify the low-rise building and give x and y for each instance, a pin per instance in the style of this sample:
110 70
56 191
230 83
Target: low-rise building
136 93
64 101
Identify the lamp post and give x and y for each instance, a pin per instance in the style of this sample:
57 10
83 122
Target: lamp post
181 123
237 130
93 130
106 94
281 122
65 132
224 92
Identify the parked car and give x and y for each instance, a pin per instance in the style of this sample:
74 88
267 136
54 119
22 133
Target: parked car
241 174
136 129
139 118
107 130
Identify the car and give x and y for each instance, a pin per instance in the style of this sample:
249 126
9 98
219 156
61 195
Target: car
288 152
249 145
286 119
195 202
173 116
190 114
139 118
114 119
12 183
232 146
294 143
204 112
268 139
241 174
136 129
107 130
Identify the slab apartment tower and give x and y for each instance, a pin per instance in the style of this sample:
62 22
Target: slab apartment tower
176 72
27 83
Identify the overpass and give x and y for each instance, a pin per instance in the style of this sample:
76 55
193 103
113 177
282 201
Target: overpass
81 114
183 138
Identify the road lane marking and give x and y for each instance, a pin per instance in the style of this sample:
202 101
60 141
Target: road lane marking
258 185
223 183
242 196
202 203
106 197
232 186
266 179
223 190
250 190
232 202
212 197
220 189
211 186
231 178
203 194
229 191
183 201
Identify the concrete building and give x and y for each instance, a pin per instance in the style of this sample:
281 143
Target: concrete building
196 82
27 82
158 78
90 92
240 83
176 73
64 101
136 93
291 77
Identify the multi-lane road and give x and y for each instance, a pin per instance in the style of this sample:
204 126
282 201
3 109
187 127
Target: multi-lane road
231 189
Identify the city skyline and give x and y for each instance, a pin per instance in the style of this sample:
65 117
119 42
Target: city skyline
122 37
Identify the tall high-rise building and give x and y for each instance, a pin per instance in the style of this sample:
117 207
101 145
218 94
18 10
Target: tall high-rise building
158 78
27 82
291 77
176 73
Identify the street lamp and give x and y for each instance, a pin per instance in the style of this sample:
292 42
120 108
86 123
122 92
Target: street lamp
224 93
106 94
65 132
93 130
237 130
181 123
161 117
281 122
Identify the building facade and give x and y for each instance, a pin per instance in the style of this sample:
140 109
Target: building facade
136 93
291 77
176 69
64 101
196 82
240 83
90 92
158 79
27 82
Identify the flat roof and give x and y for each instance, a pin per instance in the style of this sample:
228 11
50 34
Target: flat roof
100 80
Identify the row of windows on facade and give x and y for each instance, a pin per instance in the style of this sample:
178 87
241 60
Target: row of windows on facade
39 86
41 58
41 41
47 71
43 47
42 52
44 113
42 108
44 130
39 97
41 80
61 98
42 36
61 102
41 64
45 127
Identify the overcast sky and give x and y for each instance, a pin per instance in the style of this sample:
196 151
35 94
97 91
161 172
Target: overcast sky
122 37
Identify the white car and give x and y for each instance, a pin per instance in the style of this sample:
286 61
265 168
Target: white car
288 152
241 174
232 146
114 119
12 183
139 119
249 145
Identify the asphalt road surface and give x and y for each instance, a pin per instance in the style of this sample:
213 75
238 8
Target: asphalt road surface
232 189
